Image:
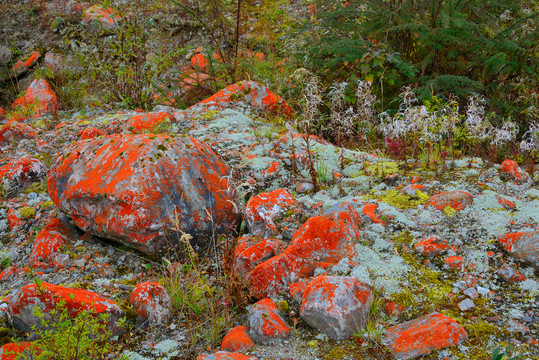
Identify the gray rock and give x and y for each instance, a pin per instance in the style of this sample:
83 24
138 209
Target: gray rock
471 293
466 305
266 325
5 54
337 306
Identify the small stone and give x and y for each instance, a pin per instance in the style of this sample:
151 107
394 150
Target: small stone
466 305
471 293
266 324
513 325
483 291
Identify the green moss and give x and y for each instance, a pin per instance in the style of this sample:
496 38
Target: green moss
403 238
27 213
37 187
382 169
48 204
402 201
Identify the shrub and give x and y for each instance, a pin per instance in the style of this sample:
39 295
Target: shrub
81 337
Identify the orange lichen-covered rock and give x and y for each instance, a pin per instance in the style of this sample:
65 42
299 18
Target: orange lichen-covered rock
237 339
108 18
522 245
22 67
90 133
38 100
267 326
225 355
48 243
262 208
246 92
509 274
12 351
147 122
152 303
456 262
430 246
14 130
21 171
13 219
133 188
369 210
327 238
512 171
505 203
458 200
252 251
199 62
418 337
336 305
46 297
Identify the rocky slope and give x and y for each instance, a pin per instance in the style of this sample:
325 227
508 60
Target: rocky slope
387 260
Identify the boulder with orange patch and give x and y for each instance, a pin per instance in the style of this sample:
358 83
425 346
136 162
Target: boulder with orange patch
522 245
338 306
140 190
247 93
38 100
46 297
267 326
420 336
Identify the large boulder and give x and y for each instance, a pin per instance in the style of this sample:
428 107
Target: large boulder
47 297
143 190
522 245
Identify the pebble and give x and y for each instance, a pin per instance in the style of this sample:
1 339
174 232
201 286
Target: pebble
466 305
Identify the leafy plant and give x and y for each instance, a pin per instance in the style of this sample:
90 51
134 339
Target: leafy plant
497 355
84 336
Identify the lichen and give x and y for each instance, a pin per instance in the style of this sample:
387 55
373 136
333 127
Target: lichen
402 201
449 211
27 213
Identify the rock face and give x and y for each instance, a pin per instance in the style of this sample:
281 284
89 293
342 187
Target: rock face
47 296
418 337
513 172
136 188
338 306
523 246
322 240
20 172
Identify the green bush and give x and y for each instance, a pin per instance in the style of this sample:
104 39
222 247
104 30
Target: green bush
442 47
81 337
